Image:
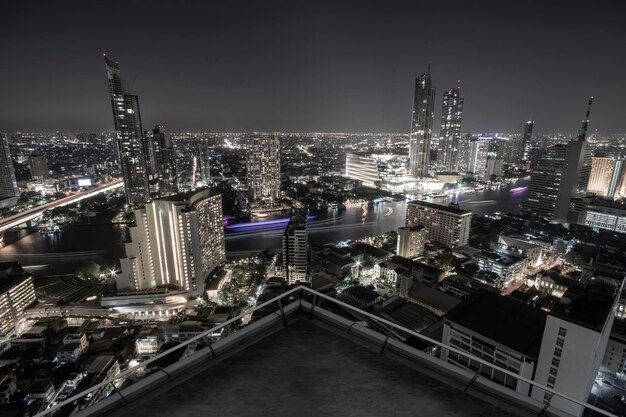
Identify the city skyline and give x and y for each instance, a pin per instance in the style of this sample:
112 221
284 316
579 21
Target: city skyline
332 82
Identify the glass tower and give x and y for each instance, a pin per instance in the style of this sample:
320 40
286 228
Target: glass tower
131 144
421 125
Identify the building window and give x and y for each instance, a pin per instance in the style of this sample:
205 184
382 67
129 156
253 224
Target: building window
553 371
557 352
562 331
551 380
560 341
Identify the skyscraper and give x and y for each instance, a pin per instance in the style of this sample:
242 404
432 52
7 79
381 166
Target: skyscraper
263 166
8 184
450 134
177 241
131 144
295 248
526 138
561 174
421 125
164 160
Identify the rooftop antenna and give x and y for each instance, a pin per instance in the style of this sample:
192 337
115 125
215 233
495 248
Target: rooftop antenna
582 133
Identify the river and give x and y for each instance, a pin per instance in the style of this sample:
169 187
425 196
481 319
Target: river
64 252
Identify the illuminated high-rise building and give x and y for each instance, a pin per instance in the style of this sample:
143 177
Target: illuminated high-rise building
132 147
450 134
295 248
421 125
561 174
177 241
607 178
164 160
263 165
526 138
8 184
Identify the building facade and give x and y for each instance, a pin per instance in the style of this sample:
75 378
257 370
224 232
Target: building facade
17 292
526 141
263 166
165 172
8 184
450 133
421 125
446 225
411 241
132 147
295 248
38 166
176 241
607 178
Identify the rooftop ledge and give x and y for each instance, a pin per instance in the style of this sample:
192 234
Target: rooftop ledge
305 360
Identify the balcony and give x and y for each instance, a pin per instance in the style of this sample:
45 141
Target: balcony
303 359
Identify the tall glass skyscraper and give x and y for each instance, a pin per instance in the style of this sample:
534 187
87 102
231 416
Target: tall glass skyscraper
450 135
421 125
263 166
561 174
164 160
132 146
8 184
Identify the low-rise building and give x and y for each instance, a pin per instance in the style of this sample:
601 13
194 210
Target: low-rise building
69 352
507 265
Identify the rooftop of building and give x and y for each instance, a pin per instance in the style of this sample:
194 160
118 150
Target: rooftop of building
518 242
369 249
306 359
395 261
502 257
309 371
359 292
588 307
449 208
503 320
409 315
11 273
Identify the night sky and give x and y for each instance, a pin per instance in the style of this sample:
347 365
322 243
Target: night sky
312 65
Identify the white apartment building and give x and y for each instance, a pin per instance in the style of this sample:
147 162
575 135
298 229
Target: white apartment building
176 241
446 225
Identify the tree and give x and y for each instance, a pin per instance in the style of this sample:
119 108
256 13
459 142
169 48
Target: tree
90 271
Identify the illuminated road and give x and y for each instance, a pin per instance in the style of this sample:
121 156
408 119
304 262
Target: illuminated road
28 215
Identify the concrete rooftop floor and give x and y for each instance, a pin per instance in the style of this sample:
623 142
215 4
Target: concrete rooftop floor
304 370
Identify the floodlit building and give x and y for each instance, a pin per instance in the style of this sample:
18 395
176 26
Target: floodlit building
532 251
362 168
607 178
177 241
446 225
478 156
133 148
421 125
295 248
263 166
411 241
